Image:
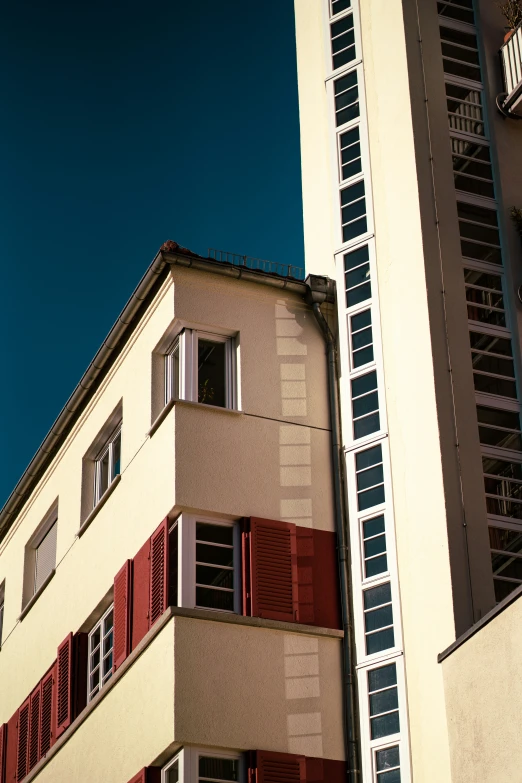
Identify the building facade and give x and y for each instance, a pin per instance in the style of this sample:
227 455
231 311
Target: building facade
410 174
168 566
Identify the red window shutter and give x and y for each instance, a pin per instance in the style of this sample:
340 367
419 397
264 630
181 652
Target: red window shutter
277 767
325 771
273 570
140 594
47 711
12 748
23 740
34 727
3 748
64 670
122 602
318 578
159 561
147 775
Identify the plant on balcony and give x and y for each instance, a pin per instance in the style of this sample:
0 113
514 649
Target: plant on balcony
512 10
516 217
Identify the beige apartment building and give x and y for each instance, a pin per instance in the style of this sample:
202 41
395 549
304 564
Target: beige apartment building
168 563
411 165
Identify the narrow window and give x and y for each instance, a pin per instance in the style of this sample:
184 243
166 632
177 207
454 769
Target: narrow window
353 211
465 112
216 769
461 10
357 276
374 543
45 557
506 560
493 368
370 477
172 372
350 153
2 602
101 644
171 773
472 167
107 465
378 619
340 5
215 566
503 485
384 701
343 42
365 405
387 765
346 99
211 377
460 53
479 235
498 427
484 297
362 338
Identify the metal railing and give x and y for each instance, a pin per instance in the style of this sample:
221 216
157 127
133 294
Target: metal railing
259 264
511 57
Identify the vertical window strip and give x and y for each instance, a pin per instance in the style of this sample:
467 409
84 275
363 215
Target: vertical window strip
101 643
365 405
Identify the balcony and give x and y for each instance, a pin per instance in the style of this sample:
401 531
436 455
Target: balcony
510 102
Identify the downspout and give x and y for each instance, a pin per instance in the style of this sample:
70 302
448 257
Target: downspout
319 291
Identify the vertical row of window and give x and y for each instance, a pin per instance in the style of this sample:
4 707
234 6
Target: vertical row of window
377 634
491 347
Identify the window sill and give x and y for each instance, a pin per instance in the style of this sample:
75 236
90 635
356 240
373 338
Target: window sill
203 405
36 596
104 498
168 407
161 417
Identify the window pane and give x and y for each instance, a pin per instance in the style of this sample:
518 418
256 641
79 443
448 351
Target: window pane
116 456
218 768
462 11
211 373
103 474
372 497
373 527
216 555
208 598
377 596
384 726
340 5
381 640
367 458
383 677
369 478
214 577
499 428
377 565
387 759
173 773
217 534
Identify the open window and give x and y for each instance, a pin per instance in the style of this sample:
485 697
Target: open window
101 466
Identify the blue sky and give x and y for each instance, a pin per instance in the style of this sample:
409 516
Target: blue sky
125 124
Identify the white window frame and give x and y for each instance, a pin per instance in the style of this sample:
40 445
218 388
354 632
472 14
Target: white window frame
108 448
188 763
103 653
187 560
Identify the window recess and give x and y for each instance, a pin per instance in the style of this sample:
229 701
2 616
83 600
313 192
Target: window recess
369 477
2 603
493 367
107 465
215 581
357 276
461 10
479 234
353 211
361 338
346 98
374 546
503 486
45 557
387 765
460 55
40 558
465 113
384 701
499 428
342 39
365 405
506 560
378 618
350 153
485 300
472 167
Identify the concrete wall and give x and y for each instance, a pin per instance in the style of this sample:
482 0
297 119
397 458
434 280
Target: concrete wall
483 697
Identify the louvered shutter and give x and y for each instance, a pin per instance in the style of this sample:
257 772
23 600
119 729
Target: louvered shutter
23 740
271 547
147 775
122 601
64 670
277 767
47 730
325 771
34 727
3 749
159 561
12 747
318 578
140 594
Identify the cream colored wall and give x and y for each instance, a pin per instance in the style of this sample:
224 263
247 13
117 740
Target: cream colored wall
319 211
234 464
483 697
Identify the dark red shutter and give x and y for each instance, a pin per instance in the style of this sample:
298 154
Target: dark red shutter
276 767
64 671
305 573
3 748
159 560
273 569
325 771
140 594
34 727
22 745
122 606
147 775
12 747
318 578
80 645
47 712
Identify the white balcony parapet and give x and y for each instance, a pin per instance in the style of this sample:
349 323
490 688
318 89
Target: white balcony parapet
511 56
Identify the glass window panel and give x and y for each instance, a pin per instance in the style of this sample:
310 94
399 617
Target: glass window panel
172 775
359 322
362 357
218 768
116 456
217 534
384 701
372 497
367 425
387 759
499 467
378 618
377 565
356 258
214 577
369 478
355 229
383 677
487 342
373 527
461 11
369 457
352 193
393 776
377 596
375 546
357 276
103 474
385 725
360 294
345 83
362 338
364 405
208 598
381 640
211 373
364 384
95 659
216 555
340 5
499 428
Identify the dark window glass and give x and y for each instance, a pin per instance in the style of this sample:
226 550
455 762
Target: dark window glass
350 153
369 457
211 373
340 5
384 726
362 338
343 42
357 276
214 567
472 167
465 109
346 98
218 769
461 10
375 559
499 428
460 54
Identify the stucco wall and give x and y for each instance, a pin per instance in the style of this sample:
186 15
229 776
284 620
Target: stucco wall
483 698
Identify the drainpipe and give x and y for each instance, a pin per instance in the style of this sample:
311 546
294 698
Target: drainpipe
321 289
